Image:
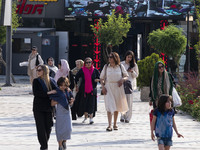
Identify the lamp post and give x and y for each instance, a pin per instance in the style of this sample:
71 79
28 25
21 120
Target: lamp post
187 46
8 24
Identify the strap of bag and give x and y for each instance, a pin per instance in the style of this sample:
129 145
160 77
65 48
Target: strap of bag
106 65
121 70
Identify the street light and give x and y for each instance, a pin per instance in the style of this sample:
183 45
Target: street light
8 23
188 19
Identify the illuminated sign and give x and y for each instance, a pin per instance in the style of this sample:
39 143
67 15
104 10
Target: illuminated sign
40 8
96 50
135 8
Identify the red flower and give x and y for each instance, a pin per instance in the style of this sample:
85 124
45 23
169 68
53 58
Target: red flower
190 102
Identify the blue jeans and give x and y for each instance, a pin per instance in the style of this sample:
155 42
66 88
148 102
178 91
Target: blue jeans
165 141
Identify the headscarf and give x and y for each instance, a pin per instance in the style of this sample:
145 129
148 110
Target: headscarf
53 67
88 78
166 85
63 71
75 70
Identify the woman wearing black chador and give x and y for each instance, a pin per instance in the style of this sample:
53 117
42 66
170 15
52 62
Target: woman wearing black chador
86 98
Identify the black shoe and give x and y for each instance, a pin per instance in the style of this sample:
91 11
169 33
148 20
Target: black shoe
121 120
126 121
64 144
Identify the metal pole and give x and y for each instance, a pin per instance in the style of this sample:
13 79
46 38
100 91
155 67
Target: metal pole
8 54
187 47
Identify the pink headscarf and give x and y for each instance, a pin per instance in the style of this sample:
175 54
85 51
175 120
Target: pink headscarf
88 78
63 71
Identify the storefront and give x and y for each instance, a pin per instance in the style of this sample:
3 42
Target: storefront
71 20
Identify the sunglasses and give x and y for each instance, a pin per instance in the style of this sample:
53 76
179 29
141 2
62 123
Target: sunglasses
89 62
160 67
110 56
38 70
33 49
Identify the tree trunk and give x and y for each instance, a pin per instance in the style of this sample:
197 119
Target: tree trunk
4 63
107 49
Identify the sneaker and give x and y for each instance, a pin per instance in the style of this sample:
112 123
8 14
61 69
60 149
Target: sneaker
91 121
84 120
64 145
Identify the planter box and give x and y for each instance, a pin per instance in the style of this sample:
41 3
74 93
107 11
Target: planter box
144 94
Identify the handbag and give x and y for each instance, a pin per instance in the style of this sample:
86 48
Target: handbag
37 61
176 98
128 87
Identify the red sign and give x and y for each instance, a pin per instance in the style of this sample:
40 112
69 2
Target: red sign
24 8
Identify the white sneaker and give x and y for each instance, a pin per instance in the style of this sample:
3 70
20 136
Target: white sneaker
84 120
91 121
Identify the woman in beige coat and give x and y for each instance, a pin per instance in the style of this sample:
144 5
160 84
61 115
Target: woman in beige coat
112 77
33 61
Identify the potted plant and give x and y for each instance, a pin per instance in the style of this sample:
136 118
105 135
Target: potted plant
146 68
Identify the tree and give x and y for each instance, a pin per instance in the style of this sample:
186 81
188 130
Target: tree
197 46
170 41
111 32
15 23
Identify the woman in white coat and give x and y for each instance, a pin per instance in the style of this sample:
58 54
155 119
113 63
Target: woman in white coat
112 77
133 72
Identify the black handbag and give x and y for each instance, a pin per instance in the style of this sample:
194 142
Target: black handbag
128 87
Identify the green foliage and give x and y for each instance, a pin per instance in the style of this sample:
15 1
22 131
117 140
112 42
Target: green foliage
15 24
197 46
189 90
146 68
113 30
170 41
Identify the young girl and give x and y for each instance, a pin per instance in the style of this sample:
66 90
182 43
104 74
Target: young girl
63 98
163 122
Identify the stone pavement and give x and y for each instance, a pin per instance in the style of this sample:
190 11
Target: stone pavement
18 132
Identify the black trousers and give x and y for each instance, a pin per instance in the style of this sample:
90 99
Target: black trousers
89 103
44 123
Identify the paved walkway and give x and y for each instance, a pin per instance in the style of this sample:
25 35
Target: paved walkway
17 128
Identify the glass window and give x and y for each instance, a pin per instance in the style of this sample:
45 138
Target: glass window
21 45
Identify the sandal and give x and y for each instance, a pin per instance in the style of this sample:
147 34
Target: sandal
108 129
115 127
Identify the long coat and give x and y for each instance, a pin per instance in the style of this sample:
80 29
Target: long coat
78 108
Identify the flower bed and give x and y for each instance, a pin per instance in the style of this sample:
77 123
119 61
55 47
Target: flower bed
189 90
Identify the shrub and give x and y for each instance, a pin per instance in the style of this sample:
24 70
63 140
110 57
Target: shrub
189 90
146 68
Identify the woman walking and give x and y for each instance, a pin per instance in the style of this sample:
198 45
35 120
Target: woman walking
161 83
79 65
52 68
133 72
42 110
63 69
112 77
33 61
86 98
